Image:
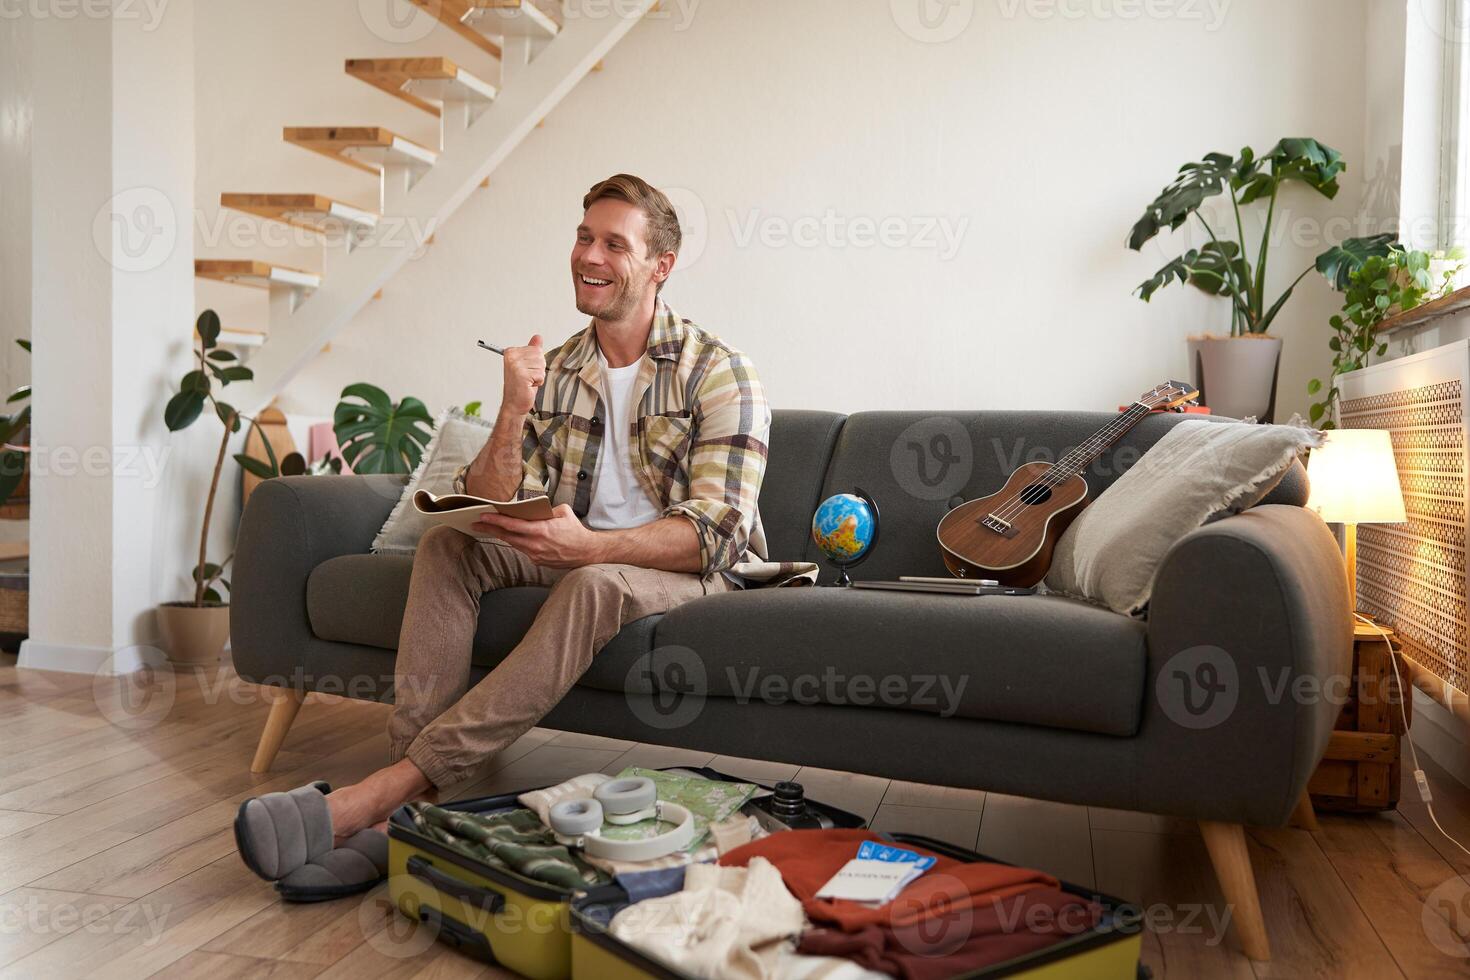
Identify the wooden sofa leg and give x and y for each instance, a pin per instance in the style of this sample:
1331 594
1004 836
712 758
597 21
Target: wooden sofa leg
1304 816
285 702
1232 861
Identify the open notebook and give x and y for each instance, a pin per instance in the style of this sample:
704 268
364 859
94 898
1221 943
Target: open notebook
460 510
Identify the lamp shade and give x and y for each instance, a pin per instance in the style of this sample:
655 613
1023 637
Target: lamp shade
1354 478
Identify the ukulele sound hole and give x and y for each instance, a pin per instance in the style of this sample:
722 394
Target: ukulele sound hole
1036 493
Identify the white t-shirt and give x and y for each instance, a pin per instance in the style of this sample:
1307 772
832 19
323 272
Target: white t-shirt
619 500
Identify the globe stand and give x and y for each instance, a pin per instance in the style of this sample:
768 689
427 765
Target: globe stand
843 580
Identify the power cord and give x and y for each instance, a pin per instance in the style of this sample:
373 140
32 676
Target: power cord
1420 780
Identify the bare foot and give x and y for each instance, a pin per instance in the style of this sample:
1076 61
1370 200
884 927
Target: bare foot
369 802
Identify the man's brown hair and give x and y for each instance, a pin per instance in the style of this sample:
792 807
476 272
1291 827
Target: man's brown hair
663 223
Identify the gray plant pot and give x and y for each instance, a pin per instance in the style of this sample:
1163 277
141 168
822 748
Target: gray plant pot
1236 376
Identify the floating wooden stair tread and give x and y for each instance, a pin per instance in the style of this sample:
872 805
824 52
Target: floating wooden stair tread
364 147
241 337
253 272
452 14
425 83
512 18
313 212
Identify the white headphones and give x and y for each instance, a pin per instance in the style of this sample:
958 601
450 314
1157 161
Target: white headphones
578 823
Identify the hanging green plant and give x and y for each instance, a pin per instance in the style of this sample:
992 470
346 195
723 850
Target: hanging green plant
1378 288
377 436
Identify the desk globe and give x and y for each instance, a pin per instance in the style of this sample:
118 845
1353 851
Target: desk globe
845 529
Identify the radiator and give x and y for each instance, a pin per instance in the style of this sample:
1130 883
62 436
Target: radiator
1411 576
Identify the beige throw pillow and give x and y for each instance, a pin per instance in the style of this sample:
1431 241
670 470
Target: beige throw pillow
1197 471
457 439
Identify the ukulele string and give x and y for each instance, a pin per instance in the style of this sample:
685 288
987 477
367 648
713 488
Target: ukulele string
1104 437
1062 470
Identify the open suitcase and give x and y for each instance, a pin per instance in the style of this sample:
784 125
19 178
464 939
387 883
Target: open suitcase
548 933
493 914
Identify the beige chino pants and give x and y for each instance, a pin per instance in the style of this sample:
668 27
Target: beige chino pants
449 729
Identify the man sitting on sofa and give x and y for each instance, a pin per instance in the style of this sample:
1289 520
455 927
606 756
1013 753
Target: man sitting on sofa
649 435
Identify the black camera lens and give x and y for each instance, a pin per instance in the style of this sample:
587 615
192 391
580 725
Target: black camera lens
788 799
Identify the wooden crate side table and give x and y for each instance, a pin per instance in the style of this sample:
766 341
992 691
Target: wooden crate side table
1360 770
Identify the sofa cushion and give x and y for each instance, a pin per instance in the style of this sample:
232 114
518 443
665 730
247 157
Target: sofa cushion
801 444
360 599
1037 660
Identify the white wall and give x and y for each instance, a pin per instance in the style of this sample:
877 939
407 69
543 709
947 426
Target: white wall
110 282
1037 133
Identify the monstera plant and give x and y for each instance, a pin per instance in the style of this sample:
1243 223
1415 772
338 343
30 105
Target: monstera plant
1240 378
195 631
376 435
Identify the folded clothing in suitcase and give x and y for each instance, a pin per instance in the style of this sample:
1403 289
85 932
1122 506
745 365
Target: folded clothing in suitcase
511 909
968 917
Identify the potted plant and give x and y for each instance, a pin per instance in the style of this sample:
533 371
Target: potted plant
195 630
15 439
1236 373
1383 285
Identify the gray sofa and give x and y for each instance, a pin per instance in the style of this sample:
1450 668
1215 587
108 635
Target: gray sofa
1061 700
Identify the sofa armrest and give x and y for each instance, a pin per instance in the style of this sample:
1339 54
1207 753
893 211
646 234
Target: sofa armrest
1250 646
291 525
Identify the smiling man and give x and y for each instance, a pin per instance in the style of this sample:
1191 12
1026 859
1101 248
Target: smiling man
649 435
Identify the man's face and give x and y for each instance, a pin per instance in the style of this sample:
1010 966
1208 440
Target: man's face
612 272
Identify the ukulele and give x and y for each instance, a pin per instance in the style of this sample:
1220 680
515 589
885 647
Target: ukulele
1009 536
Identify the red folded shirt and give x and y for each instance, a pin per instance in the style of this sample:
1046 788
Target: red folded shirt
807 860
958 916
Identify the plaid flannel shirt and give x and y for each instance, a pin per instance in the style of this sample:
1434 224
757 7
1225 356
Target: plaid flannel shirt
698 444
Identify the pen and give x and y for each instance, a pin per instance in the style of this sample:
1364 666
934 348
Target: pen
492 348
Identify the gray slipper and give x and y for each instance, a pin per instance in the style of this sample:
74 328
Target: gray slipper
286 838
359 864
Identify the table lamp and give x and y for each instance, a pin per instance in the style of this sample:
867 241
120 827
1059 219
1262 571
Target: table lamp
1355 481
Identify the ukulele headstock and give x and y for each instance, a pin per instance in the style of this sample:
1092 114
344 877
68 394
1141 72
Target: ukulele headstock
1170 395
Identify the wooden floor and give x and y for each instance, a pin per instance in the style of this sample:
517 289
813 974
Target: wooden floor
116 855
